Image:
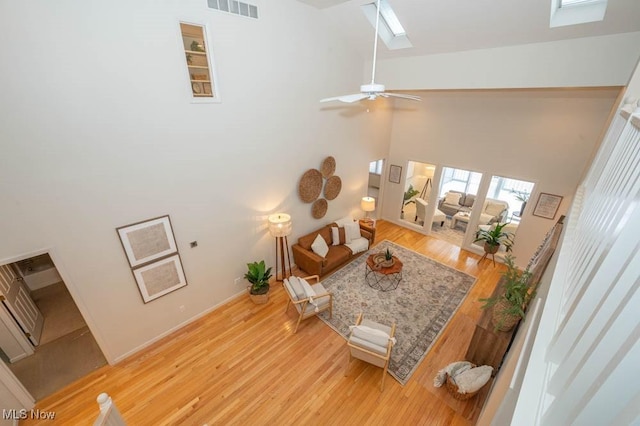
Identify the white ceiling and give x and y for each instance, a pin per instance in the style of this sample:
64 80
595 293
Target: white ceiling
441 26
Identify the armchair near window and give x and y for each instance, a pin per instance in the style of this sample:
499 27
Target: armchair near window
421 213
308 299
371 342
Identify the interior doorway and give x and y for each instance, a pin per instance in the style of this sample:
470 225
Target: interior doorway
65 350
456 201
373 187
509 199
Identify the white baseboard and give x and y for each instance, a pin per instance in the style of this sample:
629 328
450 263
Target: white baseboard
176 328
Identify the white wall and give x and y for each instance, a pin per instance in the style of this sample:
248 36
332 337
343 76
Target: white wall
583 62
543 136
97 131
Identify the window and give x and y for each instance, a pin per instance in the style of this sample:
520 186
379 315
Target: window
565 3
375 167
459 180
390 29
573 12
388 16
514 192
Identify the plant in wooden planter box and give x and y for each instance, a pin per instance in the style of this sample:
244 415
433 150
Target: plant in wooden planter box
258 276
509 305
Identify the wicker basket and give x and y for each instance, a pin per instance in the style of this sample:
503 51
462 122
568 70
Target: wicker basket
453 390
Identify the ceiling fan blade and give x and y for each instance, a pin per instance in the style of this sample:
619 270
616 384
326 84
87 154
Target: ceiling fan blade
398 95
347 98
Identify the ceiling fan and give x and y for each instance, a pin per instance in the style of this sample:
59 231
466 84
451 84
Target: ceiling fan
372 90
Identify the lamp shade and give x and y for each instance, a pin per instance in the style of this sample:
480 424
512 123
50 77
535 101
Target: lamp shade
368 204
280 225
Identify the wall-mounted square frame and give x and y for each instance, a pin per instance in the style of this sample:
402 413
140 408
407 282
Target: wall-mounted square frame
200 65
395 172
547 205
146 241
159 278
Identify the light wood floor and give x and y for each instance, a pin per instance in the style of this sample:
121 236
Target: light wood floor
242 365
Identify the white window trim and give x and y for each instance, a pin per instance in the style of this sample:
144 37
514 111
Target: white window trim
576 13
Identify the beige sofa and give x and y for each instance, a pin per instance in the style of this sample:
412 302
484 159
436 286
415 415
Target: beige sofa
492 210
338 255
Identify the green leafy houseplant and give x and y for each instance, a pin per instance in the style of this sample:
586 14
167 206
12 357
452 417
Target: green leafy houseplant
521 195
258 275
387 255
409 194
494 236
508 306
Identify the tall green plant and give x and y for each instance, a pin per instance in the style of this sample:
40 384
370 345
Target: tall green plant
517 290
258 275
494 236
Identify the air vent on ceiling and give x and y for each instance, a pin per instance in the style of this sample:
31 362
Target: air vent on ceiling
236 7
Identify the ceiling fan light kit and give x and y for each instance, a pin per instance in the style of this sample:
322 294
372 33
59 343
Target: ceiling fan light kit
372 90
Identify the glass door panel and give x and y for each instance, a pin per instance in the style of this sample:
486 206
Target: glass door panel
457 196
417 190
505 203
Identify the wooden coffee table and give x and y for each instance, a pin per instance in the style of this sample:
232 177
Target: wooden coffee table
383 279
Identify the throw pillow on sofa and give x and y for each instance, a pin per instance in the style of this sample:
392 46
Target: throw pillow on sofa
352 231
319 246
344 220
452 198
338 235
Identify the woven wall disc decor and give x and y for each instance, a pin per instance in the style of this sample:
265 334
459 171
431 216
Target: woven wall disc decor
332 187
310 185
319 208
328 167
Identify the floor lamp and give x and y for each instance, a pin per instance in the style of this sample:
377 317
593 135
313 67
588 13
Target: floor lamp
280 228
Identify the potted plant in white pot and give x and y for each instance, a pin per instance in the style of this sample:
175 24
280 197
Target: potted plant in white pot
258 276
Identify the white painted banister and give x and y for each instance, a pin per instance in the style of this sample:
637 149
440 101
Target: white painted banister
109 414
583 368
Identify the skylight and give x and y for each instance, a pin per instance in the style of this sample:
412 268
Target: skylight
573 12
565 3
391 30
390 18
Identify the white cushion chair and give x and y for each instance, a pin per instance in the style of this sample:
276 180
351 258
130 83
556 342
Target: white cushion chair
308 299
493 211
421 212
371 342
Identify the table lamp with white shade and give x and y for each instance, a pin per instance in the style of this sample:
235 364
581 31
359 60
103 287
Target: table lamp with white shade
368 204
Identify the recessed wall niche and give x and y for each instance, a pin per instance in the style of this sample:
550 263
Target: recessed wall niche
199 63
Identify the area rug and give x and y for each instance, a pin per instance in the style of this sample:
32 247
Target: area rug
444 232
426 299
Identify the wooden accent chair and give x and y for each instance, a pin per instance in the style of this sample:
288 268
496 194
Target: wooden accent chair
371 342
308 299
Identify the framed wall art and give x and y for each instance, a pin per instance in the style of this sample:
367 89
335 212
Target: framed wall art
146 241
547 205
394 173
159 278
